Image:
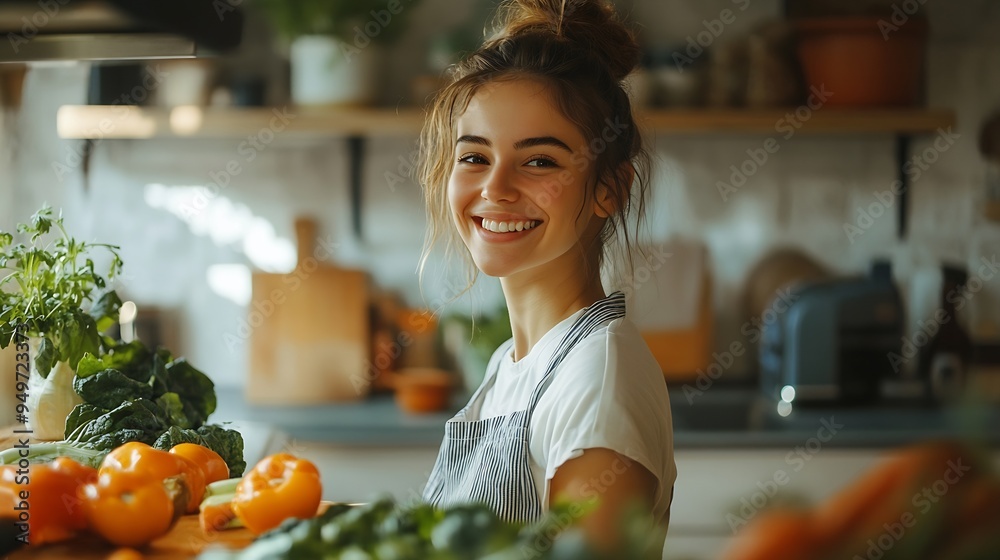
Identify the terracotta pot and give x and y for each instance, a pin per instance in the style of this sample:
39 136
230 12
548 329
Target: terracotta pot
423 389
863 62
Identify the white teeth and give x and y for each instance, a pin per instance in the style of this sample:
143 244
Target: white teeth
507 227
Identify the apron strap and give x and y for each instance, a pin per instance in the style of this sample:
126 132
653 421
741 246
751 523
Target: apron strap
489 379
602 311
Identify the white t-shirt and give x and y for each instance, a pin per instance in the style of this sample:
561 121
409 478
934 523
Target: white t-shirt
608 392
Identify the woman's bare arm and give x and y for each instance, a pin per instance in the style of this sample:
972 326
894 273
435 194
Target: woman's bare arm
614 484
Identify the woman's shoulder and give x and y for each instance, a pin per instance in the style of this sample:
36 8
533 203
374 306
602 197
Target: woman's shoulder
617 339
611 364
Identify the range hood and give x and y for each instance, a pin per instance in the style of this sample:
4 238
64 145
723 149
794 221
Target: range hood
96 30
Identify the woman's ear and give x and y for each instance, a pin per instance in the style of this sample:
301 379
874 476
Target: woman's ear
604 203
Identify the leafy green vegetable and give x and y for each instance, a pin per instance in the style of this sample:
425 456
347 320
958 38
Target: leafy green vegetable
172 406
45 358
130 359
384 530
105 310
196 390
110 388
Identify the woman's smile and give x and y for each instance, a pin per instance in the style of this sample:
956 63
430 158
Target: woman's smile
501 230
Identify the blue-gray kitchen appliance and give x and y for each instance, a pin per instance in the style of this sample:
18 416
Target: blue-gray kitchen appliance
833 342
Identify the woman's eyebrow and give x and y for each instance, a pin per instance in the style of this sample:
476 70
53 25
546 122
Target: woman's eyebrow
520 144
469 139
542 141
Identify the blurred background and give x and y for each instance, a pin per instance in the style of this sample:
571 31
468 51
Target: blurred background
823 235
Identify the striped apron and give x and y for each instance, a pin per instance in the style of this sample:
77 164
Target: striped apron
486 460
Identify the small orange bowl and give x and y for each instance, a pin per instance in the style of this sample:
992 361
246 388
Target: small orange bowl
420 390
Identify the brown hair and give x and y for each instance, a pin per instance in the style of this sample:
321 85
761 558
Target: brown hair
581 51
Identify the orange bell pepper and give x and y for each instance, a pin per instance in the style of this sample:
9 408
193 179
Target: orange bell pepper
129 509
211 463
152 464
42 498
279 487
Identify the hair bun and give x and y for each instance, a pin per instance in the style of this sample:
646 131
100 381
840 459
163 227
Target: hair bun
593 25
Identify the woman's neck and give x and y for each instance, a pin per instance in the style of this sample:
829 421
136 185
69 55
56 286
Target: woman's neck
539 300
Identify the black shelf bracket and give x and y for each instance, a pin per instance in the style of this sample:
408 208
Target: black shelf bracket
356 155
902 155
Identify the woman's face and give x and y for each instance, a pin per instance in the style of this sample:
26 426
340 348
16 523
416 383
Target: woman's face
520 181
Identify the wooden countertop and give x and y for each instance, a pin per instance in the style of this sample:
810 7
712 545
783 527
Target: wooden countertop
186 540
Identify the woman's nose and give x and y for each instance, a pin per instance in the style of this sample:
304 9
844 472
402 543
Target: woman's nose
497 186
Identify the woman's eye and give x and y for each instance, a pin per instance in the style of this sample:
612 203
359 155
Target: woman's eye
472 158
542 162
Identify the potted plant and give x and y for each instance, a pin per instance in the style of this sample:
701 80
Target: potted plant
51 294
335 46
474 340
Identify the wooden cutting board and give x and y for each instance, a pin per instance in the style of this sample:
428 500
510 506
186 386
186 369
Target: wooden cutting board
185 540
310 336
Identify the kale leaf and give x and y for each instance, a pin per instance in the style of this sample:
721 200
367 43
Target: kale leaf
195 389
110 388
132 359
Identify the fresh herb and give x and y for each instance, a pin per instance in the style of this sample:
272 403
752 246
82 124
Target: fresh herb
46 285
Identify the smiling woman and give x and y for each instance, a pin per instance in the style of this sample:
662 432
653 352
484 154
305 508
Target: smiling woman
532 166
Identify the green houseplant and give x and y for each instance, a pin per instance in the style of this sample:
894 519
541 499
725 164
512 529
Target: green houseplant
336 45
51 293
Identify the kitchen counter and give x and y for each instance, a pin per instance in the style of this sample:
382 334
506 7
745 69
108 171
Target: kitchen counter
376 421
719 418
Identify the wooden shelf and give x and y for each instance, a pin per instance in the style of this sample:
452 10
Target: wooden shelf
782 121
129 122
97 122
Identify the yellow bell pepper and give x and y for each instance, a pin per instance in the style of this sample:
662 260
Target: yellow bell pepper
279 487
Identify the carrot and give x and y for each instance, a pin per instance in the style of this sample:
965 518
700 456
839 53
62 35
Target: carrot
777 535
216 515
887 492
